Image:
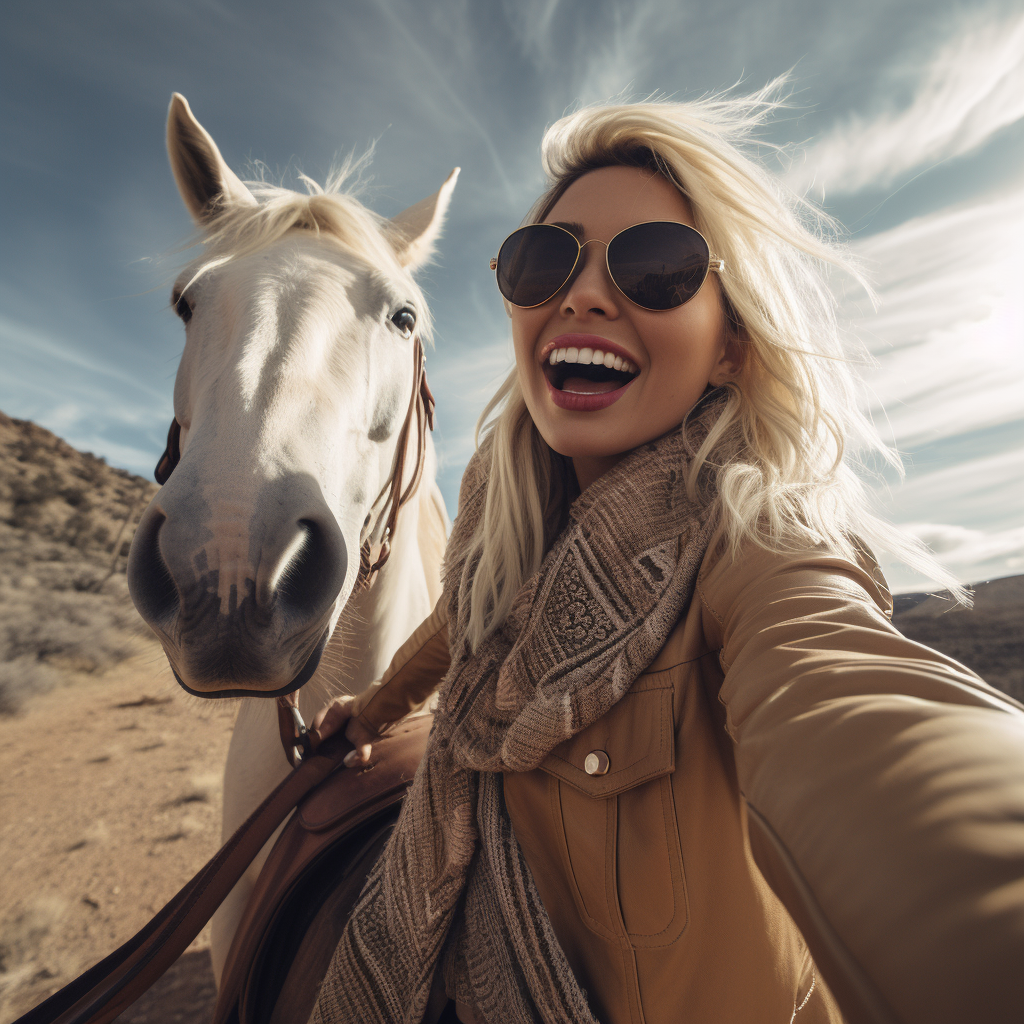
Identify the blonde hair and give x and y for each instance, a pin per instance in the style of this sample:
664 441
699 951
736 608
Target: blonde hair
792 409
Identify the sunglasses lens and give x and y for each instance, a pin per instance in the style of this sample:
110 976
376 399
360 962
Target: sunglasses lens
659 265
534 262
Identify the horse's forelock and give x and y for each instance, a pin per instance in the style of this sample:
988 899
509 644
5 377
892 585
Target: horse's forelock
237 231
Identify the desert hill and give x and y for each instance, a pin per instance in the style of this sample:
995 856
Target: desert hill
66 522
988 638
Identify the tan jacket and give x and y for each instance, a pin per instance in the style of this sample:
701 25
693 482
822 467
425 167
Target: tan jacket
790 772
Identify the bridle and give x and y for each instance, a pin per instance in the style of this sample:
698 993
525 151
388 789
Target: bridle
372 554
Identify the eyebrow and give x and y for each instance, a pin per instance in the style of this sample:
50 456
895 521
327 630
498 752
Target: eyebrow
572 227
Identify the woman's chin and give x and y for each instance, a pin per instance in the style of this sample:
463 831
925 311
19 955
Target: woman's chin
589 443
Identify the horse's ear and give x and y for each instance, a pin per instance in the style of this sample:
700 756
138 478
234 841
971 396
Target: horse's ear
205 181
415 230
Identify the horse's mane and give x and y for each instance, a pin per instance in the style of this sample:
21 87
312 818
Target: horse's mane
241 229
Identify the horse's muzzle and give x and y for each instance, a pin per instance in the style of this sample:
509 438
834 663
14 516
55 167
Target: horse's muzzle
241 600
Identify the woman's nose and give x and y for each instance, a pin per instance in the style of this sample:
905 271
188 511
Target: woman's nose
591 289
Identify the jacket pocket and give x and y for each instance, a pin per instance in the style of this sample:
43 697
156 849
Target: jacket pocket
620 838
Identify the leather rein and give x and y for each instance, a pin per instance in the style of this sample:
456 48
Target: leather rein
295 736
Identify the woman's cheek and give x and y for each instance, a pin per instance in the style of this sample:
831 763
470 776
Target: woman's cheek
526 327
526 331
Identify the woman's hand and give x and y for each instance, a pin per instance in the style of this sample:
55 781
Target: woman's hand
337 715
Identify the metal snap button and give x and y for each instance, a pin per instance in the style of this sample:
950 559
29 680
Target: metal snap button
597 763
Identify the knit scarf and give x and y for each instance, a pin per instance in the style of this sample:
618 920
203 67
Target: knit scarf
452 888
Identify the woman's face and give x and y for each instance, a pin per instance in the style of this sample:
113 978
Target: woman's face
676 352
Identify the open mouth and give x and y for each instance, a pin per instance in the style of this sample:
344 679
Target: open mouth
588 372
584 379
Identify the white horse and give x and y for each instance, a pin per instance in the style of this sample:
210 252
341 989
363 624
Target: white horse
301 320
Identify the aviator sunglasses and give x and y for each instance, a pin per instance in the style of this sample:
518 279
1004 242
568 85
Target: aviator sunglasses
658 264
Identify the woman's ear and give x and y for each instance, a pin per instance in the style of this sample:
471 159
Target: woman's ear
730 359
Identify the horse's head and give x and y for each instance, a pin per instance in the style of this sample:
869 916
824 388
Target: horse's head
298 373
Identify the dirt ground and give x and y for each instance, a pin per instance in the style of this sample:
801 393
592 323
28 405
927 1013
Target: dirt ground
110 802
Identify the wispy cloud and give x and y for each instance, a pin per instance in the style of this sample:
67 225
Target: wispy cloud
612 64
949 334
949 343
979 493
970 89
438 85
532 22
468 381
92 404
57 356
598 56
957 545
972 555
980 536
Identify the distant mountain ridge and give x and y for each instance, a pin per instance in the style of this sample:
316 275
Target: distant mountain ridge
989 638
67 520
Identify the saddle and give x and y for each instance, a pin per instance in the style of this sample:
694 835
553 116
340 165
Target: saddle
303 897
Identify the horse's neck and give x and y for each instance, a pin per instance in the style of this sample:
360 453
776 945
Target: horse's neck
377 621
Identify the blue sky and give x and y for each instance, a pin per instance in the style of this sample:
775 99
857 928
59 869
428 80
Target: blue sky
906 121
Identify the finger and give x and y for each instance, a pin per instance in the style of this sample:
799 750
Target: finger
361 739
357 732
358 756
331 718
320 716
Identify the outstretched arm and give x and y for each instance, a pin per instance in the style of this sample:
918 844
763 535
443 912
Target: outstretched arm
885 790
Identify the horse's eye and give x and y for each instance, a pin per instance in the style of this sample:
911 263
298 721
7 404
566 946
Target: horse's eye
183 309
405 321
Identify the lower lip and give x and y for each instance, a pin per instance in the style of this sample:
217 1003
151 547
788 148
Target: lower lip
585 403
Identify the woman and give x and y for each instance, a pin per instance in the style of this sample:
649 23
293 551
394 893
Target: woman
682 765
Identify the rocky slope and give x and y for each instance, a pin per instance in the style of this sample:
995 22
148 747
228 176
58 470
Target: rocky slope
988 638
66 522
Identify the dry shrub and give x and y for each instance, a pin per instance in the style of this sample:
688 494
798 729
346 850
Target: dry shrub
52 623
22 936
21 677
66 521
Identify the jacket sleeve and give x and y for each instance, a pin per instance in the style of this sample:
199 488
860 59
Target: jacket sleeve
412 677
884 786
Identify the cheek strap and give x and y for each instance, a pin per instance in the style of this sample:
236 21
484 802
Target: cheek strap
421 405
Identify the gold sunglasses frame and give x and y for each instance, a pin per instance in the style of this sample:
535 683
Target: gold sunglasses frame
715 263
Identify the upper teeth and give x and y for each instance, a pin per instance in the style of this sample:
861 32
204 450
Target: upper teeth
588 356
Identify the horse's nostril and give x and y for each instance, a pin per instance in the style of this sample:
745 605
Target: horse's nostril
314 575
149 580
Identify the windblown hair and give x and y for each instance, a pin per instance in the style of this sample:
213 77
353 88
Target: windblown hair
333 212
791 413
